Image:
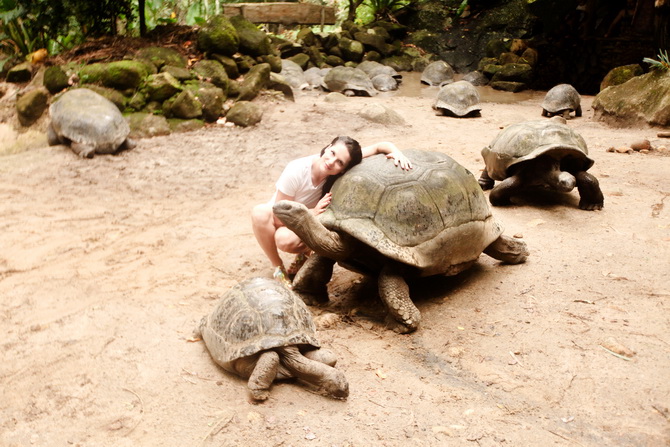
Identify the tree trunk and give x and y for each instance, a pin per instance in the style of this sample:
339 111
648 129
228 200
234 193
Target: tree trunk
142 18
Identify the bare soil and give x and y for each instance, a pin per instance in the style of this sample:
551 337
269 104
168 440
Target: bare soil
107 264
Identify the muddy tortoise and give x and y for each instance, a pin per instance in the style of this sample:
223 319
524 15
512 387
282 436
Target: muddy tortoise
397 224
262 331
349 81
89 123
562 99
459 99
539 154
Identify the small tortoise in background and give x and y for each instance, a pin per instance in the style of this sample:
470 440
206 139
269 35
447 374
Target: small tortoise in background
89 123
544 154
262 331
397 224
562 99
459 99
348 81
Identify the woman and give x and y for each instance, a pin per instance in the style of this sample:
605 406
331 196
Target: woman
308 180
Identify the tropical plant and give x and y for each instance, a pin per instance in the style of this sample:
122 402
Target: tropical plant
663 63
383 9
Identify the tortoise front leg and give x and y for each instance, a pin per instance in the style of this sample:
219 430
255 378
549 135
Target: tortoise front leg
311 281
263 375
591 197
325 377
501 194
404 317
485 181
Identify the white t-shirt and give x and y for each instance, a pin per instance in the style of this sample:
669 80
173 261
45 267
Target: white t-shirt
296 181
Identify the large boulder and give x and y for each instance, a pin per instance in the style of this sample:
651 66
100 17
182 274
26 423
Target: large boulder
161 56
642 99
253 41
254 81
245 113
619 75
212 71
31 105
219 36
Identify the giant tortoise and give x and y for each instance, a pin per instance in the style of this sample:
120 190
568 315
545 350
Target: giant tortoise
544 154
561 100
89 123
459 99
263 331
398 224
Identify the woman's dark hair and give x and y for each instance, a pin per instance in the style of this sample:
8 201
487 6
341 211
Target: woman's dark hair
355 155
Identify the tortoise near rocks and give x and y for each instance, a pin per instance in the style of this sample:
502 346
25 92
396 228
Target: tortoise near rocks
348 81
398 224
437 73
459 99
262 331
89 123
562 99
544 154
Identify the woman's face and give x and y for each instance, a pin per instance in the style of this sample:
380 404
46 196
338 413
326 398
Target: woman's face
335 159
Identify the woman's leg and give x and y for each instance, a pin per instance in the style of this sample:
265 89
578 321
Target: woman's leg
262 222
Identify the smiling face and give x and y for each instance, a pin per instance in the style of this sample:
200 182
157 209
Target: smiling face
335 159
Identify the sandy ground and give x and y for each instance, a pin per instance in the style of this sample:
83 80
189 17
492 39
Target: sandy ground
106 265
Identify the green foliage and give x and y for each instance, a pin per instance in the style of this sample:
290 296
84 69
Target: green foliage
372 10
663 63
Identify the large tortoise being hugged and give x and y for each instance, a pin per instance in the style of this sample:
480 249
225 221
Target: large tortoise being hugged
262 331
398 224
540 154
89 123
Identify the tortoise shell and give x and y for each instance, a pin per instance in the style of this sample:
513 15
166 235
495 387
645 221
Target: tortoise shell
433 217
256 315
527 140
460 98
348 80
560 98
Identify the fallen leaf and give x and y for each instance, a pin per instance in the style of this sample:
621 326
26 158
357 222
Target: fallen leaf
380 374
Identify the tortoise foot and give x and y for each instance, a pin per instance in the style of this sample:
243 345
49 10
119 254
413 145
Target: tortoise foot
589 206
400 327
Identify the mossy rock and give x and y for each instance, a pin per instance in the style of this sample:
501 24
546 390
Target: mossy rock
161 56
245 114
352 50
334 61
301 59
137 101
244 62
514 73
229 65
123 75
212 71
619 75
399 62
185 106
20 73
316 57
161 86
253 41
56 79
31 105
508 86
181 74
272 59
179 125
257 78
147 125
111 94
211 97
219 36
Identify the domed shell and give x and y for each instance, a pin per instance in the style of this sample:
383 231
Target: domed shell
432 217
348 80
460 98
560 98
84 116
255 315
529 139
384 83
437 73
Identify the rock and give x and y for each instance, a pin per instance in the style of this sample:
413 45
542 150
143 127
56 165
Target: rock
161 56
641 145
122 75
619 75
378 113
147 125
623 150
277 82
508 86
20 73
212 71
352 50
257 78
212 99
335 97
293 74
56 79
161 86
522 73
179 73
113 95
179 125
184 106
301 60
219 36
642 99
245 113
31 105
253 41
229 65
272 59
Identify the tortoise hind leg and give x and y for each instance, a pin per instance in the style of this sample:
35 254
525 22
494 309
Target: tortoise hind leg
83 150
404 317
508 249
591 197
263 374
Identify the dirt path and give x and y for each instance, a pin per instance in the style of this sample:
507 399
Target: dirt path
106 265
